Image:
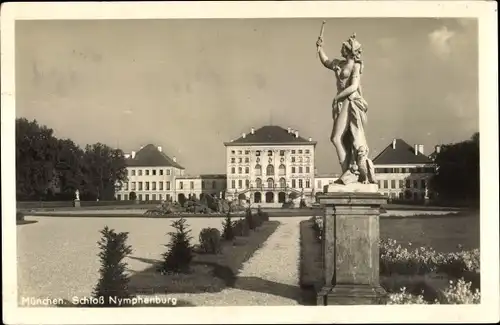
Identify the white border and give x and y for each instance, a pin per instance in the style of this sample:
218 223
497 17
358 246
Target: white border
487 311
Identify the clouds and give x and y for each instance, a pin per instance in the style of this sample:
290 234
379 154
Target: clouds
440 42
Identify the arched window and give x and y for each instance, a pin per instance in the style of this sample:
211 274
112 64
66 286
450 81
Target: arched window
258 170
258 182
240 170
270 170
270 182
282 182
282 169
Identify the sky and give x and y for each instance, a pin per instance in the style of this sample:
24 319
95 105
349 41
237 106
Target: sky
190 85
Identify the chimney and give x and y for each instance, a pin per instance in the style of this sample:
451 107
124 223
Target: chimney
421 148
174 159
296 134
252 130
132 154
310 139
289 130
394 144
243 135
416 149
159 148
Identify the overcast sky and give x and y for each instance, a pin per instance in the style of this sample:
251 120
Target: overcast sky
190 85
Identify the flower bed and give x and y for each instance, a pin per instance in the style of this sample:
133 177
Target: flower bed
410 276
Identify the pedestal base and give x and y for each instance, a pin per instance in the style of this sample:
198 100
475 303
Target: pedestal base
351 294
352 188
76 203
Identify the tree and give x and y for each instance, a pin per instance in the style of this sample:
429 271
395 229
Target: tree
105 171
228 228
36 152
180 251
457 175
113 281
182 199
132 196
69 168
292 196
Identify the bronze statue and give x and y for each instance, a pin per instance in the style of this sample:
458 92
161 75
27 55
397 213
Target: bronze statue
349 113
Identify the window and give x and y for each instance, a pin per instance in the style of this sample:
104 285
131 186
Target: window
269 152
300 170
300 183
118 197
132 172
146 185
213 184
240 160
282 183
191 185
247 160
181 185
125 197
307 151
159 197
233 152
282 170
202 185
147 197
132 186
160 186
308 183
125 186
139 172
422 184
270 183
257 153
247 170
153 186
154 197
258 182
319 184
293 170
233 170
386 184
161 172
239 152
293 152
258 170
168 172
247 152
147 172
401 184
300 152
293 159
408 183
415 183
168 186
153 172
233 160
240 170
139 197
282 152
293 183
240 183
140 186
233 183
393 183
270 170
300 159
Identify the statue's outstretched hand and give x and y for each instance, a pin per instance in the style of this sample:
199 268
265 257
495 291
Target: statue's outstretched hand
319 42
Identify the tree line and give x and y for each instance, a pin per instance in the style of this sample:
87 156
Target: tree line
44 163
457 175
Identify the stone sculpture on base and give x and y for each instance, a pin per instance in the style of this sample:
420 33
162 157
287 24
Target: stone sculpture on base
76 202
352 204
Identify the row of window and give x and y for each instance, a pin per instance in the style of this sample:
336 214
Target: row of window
148 172
270 170
270 183
404 170
146 197
138 186
402 184
407 195
293 159
270 152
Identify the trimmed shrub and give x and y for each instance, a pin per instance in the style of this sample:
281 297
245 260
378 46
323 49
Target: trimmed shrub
241 228
228 226
132 196
210 242
180 251
113 281
250 219
263 216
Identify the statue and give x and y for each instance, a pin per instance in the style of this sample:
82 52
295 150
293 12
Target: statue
349 113
77 195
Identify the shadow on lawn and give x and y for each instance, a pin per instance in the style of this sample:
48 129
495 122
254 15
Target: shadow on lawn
222 277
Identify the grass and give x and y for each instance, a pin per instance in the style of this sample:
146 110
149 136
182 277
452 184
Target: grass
209 272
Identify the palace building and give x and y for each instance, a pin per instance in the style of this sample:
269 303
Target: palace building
403 172
268 164
196 186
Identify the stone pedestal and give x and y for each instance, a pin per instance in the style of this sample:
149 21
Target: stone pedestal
350 247
76 203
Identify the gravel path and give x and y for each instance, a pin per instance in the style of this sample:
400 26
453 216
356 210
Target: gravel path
269 278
